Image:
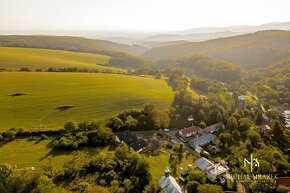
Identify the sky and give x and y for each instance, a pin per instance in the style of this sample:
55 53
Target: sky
137 15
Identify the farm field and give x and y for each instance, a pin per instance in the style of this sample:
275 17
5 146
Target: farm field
15 58
33 100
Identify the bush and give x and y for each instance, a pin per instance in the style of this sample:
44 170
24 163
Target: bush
43 137
25 70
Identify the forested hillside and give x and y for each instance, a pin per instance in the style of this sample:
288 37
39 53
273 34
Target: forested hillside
204 66
254 50
79 44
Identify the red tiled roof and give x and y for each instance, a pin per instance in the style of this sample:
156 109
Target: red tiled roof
283 181
188 130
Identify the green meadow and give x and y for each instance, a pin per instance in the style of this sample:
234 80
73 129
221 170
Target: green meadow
33 58
33 100
23 153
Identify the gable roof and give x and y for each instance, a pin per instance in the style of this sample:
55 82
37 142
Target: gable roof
202 140
132 140
141 143
215 127
127 137
203 163
169 185
188 131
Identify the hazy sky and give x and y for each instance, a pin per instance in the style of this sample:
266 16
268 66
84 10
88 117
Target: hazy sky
149 15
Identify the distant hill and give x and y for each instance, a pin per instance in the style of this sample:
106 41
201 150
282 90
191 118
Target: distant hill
194 34
253 50
195 37
34 58
238 28
204 66
69 43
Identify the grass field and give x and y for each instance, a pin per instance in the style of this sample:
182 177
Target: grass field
23 153
30 154
33 58
92 96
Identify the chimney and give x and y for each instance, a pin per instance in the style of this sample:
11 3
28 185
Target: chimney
167 172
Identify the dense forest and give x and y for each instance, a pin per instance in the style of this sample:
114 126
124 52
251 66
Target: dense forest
254 50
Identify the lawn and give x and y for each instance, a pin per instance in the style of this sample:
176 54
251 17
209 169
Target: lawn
47 100
159 163
34 58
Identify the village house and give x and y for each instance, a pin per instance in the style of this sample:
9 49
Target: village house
136 144
214 128
189 132
202 140
214 172
168 184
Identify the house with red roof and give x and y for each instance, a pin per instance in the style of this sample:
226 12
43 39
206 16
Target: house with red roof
189 132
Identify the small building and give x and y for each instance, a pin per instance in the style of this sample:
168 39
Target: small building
136 144
265 129
265 117
213 148
190 118
285 181
215 127
241 97
183 176
168 184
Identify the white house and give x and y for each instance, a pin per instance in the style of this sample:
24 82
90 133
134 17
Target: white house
214 172
168 183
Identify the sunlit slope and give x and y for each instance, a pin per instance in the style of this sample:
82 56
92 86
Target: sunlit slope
32 58
252 50
91 96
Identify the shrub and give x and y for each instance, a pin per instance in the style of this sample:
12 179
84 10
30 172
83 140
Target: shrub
25 69
43 137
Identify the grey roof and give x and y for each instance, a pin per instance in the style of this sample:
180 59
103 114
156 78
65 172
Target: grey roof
202 140
132 140
215 127
202 164
169 185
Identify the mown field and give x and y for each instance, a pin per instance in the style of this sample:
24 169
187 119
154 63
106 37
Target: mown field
30 100
33 58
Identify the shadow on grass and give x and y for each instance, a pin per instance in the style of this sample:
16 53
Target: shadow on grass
16 94
89 150
64 107
2 143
